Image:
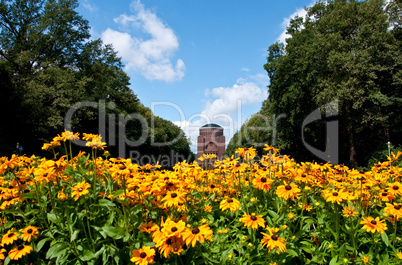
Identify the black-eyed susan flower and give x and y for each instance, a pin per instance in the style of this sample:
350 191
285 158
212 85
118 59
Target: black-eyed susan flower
9 237
395 188
80 189
19 251
349 211
288 191
230 203
252 220
394 209
335 196
148 227
261 182
373 225
173 198
143 256
28 232
192 236
272 241
62 196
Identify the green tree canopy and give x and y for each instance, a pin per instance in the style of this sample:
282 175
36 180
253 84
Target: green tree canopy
48 63
349 51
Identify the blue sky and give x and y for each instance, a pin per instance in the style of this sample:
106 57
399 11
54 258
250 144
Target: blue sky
194 62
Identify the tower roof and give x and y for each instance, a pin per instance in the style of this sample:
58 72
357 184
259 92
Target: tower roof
211 125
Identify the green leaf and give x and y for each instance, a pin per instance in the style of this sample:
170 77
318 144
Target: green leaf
291 252
113 232
41 243
384 238
28 195
53 218
74 235
87 255
334 261
107 203
56 250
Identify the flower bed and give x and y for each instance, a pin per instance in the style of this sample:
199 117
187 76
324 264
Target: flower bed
93 209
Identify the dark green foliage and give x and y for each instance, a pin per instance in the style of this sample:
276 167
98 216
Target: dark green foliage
348 51
48 64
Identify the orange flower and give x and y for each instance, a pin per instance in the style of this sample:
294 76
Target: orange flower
262 182
373 225
17 252
28 232
272 241
231 203
80 189
252 221
288 191
9 238
192 236
395 210
143 256
335 196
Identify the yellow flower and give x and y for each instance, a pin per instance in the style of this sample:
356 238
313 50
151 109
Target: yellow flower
373 225
19 251
207 208
80 189
143 256
291 215
253 221
365 260
288 191
399 255
231 203
192 236
349 211
62 196
230 256
28 232
272 241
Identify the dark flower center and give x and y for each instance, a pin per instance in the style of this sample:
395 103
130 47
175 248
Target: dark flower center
395 187
143 255
253 217
288 187
173 195
45 174
174 229
303 175
9 198
335 194
20 247
263 180
212 186
384 194
195 231
169 241
10 234
80 189
176 249
123 167
29 231
274 237
373 222
229 200
397 207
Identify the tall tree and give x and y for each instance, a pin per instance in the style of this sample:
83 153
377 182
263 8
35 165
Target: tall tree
342 50
48 64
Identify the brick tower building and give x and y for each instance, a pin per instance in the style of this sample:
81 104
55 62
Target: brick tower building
211 140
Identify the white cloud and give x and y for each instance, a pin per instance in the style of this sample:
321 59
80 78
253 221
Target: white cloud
150 57
227 106
89 6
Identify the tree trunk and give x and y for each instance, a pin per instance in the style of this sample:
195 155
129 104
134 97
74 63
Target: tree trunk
352 148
